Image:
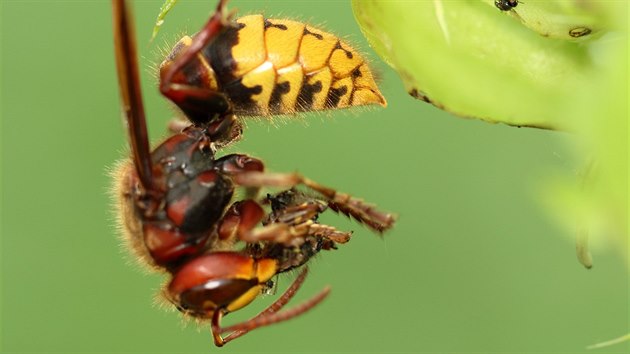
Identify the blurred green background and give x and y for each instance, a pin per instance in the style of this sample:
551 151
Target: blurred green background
474 264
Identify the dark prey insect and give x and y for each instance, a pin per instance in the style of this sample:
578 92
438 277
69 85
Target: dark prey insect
176 202
505 5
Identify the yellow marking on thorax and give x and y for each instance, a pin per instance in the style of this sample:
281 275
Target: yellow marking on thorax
250 52
324 76
294 75
283 45
265 77
344 60
314 52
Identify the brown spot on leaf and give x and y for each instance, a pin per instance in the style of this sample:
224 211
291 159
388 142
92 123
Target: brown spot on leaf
579 32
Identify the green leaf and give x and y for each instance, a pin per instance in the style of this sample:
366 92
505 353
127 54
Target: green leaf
471 59
573 20
527 67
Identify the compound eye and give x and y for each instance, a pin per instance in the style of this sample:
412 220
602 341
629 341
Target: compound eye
220 293
220 280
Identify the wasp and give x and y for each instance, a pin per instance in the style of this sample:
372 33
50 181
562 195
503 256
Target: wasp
176 202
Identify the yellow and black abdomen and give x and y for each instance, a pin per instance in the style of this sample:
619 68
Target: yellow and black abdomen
271 66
